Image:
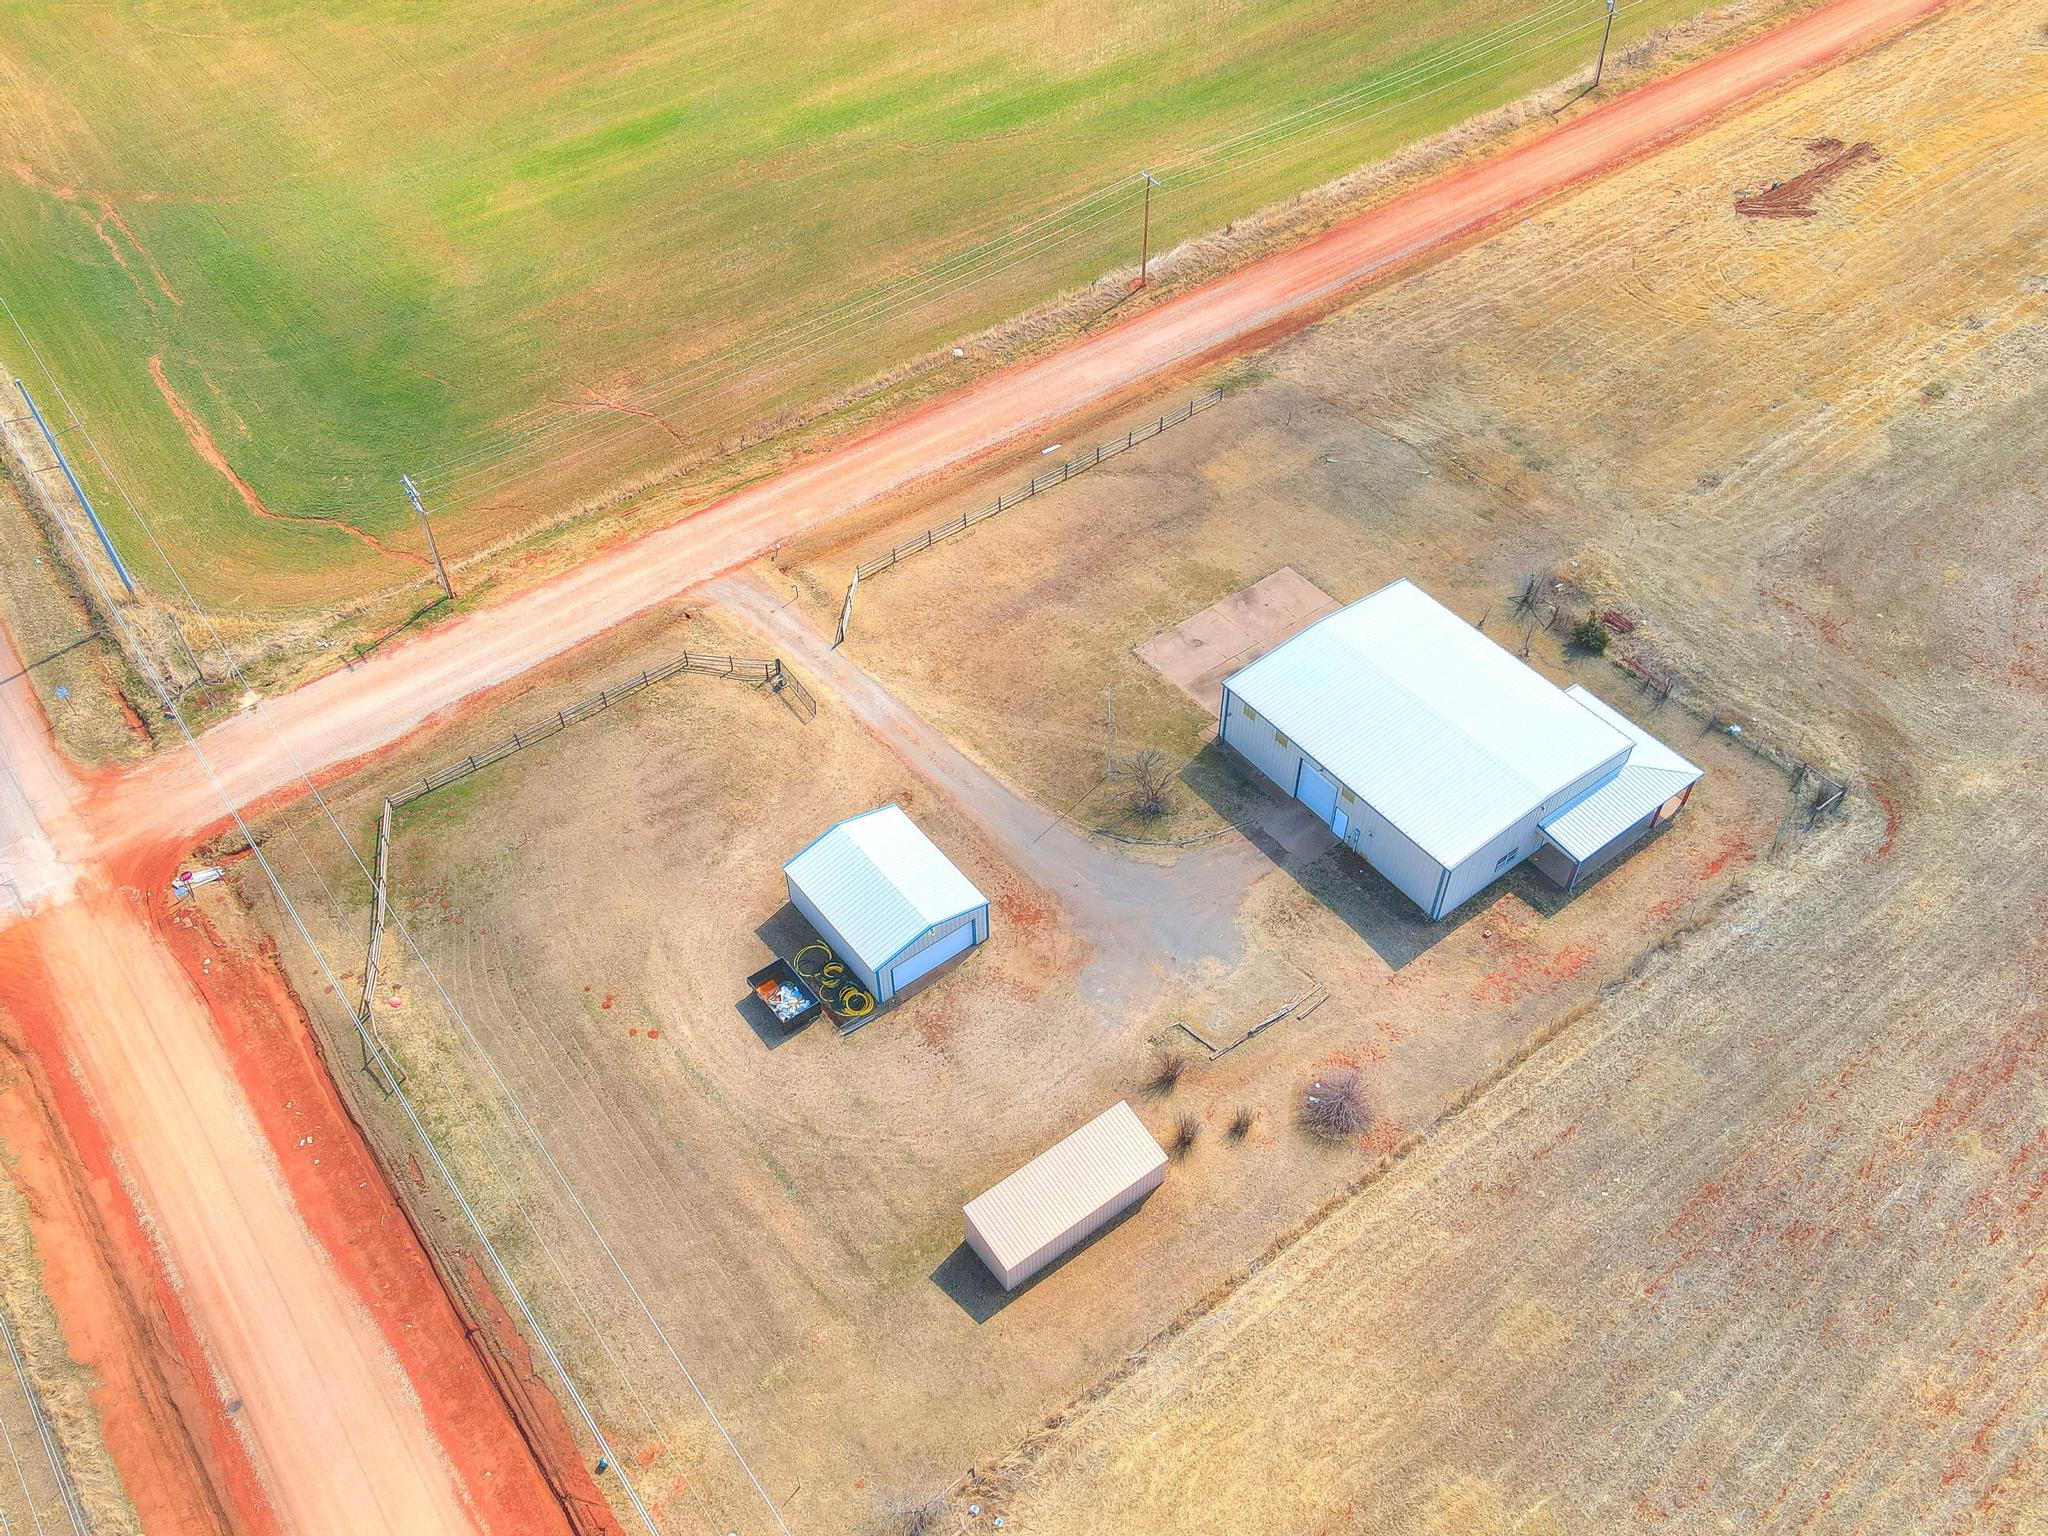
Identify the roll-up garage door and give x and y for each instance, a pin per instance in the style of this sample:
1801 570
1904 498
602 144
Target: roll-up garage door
927 960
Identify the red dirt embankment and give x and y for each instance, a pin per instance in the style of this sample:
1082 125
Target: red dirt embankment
520 1474
120 1315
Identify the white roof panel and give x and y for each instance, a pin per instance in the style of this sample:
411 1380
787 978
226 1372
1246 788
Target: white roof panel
1065 1184
1652 775
881 882
1419 714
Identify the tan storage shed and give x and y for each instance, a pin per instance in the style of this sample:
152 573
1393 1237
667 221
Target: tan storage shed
1064 1195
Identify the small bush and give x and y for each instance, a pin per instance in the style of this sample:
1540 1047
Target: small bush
1242 1122
1185 1132
1333 1105
1590 635
1167 1072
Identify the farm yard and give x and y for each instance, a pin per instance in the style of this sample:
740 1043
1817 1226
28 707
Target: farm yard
790 1206
541 258
1756 1241
1707 1195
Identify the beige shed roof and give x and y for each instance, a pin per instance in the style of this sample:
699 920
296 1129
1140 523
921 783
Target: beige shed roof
1065 1185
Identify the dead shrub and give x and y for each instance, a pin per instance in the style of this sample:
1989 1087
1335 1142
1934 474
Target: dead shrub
1333 1105
908 1514
1147 779
1242 1122
1185 1131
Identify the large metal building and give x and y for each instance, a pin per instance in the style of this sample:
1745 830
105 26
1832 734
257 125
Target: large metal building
1439 758
888 903
1063 1196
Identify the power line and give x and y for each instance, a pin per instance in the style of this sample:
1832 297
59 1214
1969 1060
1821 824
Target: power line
1467 58
362 1029
66 1494
149 671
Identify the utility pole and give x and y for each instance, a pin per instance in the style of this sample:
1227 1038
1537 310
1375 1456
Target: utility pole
1605 33
412 493
1145 239
77 490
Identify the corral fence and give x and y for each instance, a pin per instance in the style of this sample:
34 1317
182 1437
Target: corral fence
769 671
1081 464
378 1059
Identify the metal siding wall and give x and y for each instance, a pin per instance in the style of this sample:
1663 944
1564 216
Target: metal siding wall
831 936
897 980
1083 1229
1480 870
932 935
1253 740
1476 873
1390 851
1408 869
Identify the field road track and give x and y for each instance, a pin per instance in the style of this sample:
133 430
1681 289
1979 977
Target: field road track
334 1429
347 714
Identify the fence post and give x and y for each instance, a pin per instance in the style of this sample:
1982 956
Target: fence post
846 609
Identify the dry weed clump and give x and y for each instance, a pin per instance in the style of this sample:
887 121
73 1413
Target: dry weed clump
1333 1105
908 1514
1166 1073
1186 1130
1241 1122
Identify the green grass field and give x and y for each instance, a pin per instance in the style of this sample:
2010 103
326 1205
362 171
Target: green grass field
376 238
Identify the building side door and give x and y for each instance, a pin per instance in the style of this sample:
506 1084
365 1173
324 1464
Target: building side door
1318 791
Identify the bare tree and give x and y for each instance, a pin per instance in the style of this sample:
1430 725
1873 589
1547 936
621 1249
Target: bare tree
1333 1106
1147 778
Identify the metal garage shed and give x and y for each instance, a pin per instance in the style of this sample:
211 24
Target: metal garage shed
1064 1195
889 904
1430 751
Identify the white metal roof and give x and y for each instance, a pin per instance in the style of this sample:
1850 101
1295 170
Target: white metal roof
1065 1184
1652 775
881 882
1419 714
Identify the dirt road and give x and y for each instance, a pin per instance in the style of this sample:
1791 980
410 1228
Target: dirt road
350 713
321 1429
320 1398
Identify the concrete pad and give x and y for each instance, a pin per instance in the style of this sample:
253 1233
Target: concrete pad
1199 652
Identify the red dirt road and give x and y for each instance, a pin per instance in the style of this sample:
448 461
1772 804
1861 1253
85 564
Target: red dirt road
340 1430
348 714
323 1412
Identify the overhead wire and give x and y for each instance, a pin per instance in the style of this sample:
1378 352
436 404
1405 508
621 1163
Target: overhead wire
449 1005
1467 58
148 669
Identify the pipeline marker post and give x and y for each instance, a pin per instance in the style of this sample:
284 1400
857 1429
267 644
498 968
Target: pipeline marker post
78 490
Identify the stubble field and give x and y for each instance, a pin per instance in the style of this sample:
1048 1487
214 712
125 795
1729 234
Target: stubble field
1756 1243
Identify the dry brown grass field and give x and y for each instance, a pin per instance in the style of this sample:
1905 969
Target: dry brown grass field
1756 1243
790 1207
1705 1200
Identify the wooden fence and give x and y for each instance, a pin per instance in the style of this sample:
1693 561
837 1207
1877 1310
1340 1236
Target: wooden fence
1100 453
768 670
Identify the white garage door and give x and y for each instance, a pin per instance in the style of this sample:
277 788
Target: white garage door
927 960
1316 790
